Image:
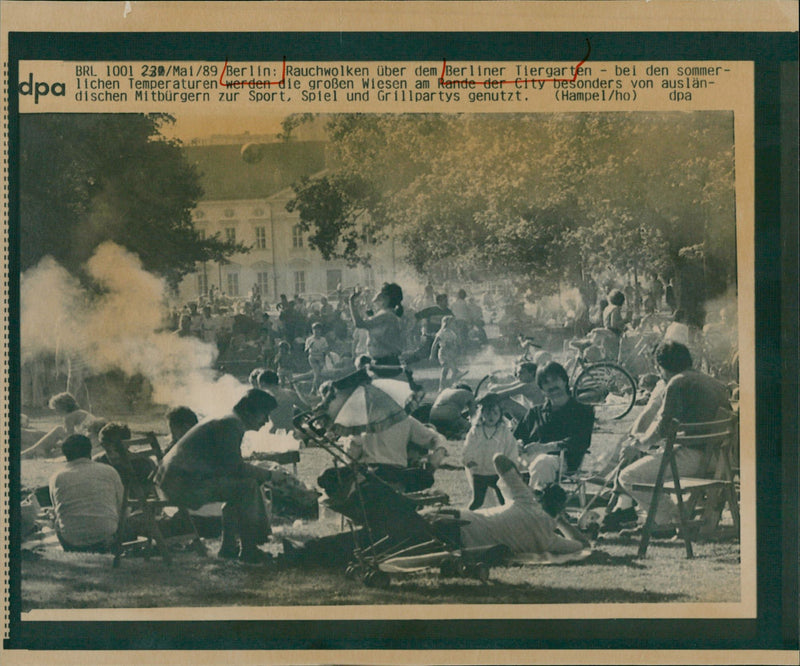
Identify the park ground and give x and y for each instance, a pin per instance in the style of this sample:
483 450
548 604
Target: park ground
52 579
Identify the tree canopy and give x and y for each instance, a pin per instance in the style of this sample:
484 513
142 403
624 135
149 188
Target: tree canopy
85 179
544 196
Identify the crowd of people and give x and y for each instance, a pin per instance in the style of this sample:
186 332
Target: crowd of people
522 465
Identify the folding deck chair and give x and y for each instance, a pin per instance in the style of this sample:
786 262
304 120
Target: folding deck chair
137 497
705 494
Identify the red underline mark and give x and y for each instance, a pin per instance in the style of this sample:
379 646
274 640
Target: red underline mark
239 84
495 83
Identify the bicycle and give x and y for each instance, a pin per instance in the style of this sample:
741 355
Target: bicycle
604 385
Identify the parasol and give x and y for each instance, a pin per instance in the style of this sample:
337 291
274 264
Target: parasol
369 407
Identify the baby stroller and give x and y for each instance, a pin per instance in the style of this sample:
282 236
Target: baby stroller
390 536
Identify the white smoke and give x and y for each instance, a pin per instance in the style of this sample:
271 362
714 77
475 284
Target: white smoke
118 330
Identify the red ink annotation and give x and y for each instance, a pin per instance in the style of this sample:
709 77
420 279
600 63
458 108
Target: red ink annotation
494 83
254 83
487 83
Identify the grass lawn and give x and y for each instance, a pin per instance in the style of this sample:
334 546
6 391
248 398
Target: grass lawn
612 575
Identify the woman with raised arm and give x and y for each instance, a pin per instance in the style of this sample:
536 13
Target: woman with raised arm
384 328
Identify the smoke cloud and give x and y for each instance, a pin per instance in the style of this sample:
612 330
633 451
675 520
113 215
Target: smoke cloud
118 330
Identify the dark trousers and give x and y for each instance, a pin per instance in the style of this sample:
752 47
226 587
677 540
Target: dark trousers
243 514
480 484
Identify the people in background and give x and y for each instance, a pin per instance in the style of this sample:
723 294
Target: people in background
451 409
678 330
287 398
385 342
317 350
445 347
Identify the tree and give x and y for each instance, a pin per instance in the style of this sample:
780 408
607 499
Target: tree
85 179
542 196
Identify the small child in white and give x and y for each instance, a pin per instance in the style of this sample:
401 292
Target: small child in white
446 343
488 436
317 349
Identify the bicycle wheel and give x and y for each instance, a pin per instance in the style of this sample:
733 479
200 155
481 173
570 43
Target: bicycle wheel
608 388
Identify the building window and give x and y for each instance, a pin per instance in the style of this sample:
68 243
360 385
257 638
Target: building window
299 282
297 236
333 279
233 284
229 212
202 284
369 278
230 234
262 280
201 233
261 238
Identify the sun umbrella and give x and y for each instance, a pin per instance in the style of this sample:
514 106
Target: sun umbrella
369 407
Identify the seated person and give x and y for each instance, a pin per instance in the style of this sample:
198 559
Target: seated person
620 511
690 396
75 420
180 420
142 466
450 410
386 452
287 399
560 424
87 499
518 397
206 465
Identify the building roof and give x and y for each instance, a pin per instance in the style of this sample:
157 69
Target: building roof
224 175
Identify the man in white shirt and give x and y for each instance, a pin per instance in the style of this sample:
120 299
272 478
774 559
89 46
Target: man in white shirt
390 446
87 499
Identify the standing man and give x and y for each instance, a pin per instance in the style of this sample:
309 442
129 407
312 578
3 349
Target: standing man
689 397
206 465
87 499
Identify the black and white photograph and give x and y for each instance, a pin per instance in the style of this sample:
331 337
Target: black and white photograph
377 333
424 359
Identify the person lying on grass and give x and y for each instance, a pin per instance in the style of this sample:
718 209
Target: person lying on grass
523 525
75 421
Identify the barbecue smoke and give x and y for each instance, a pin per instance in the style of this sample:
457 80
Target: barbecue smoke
119 330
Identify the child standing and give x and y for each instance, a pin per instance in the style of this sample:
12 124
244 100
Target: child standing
317 349
487 437
283 363
446 342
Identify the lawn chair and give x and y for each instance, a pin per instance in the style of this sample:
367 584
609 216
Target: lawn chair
574 482
707 493
138 496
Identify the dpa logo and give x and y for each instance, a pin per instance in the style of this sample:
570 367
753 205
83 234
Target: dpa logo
40 89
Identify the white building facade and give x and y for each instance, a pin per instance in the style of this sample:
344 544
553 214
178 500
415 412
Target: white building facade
280 260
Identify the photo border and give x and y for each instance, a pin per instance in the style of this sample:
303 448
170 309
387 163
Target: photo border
776 577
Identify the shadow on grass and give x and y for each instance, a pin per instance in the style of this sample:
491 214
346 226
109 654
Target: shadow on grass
70 580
